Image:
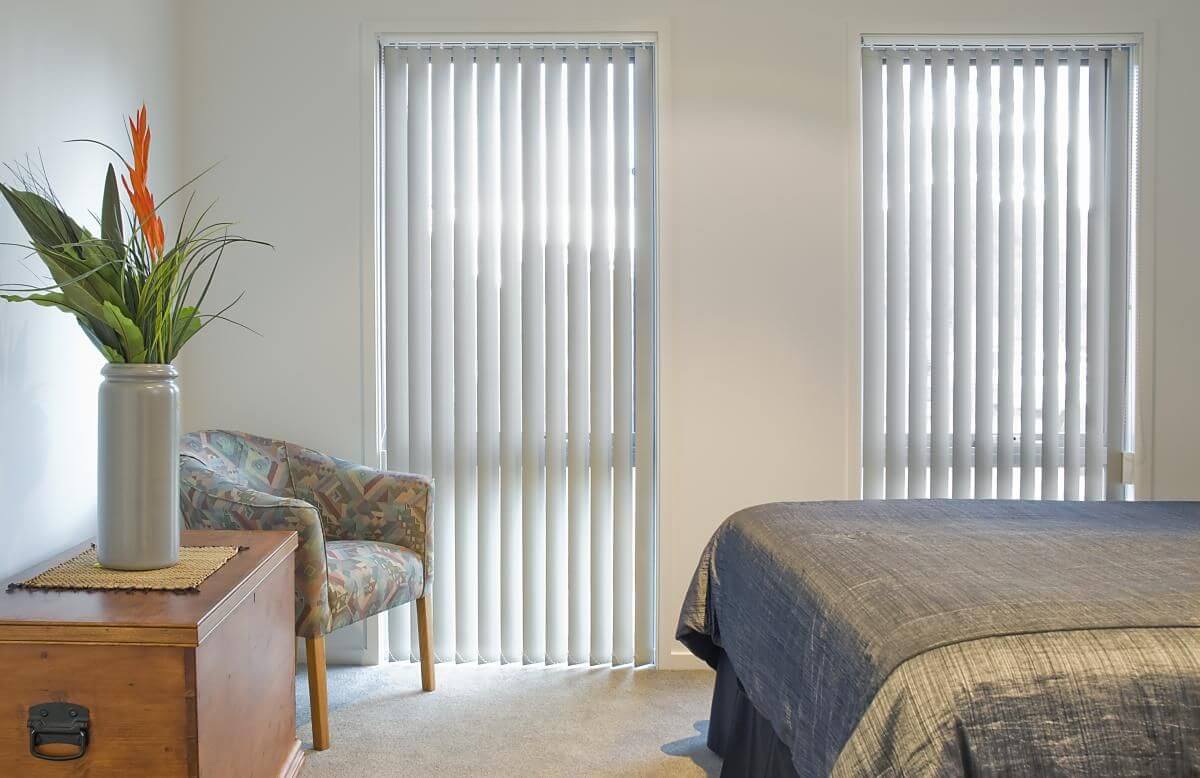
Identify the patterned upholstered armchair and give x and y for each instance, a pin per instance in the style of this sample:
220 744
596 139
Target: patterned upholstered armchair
365 535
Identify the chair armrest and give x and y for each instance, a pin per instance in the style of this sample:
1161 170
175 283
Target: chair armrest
209 501
357 502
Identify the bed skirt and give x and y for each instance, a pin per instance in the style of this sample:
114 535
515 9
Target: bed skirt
740 735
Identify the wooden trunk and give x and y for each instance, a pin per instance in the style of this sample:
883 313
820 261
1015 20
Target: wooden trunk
175 683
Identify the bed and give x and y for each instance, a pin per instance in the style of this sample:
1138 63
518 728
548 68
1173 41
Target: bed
948 637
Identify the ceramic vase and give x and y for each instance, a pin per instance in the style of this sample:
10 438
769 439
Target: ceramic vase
138 467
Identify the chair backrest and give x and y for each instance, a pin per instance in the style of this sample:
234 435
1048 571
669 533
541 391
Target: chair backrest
250 461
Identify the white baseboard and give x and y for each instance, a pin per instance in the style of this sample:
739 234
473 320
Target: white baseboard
363 643
366 643
681 659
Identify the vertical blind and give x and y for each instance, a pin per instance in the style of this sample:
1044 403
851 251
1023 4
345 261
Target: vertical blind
995 271
519 362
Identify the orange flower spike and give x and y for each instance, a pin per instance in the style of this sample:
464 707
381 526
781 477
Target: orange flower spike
136 185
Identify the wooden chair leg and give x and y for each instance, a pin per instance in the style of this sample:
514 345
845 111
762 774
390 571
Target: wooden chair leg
318 696
425 633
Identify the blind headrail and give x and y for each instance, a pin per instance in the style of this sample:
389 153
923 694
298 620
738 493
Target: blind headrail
1000 43
502 45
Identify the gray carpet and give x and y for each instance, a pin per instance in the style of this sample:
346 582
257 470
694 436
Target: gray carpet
512 721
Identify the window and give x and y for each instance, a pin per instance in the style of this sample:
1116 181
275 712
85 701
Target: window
517 188
996 270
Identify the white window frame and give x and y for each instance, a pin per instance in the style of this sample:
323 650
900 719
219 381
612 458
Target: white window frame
1142 57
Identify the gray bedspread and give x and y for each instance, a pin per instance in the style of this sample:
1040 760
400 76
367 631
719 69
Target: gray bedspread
962 637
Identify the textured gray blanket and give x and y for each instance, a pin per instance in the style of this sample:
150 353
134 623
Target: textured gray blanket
825 608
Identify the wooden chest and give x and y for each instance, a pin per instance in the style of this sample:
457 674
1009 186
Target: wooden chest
175 683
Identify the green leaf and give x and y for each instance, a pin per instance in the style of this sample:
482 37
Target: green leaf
187 324
131 336
96 331
63 247
42 219
111 354
105 259
111 229
89 327
80 295
83 284
49 299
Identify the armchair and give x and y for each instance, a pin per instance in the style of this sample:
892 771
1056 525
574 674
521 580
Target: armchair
365 535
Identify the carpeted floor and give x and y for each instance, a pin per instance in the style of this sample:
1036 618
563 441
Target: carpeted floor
512 721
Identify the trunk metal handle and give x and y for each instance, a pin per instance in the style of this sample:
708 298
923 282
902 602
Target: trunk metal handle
58 722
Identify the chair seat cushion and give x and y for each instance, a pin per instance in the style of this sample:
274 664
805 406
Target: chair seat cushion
366 577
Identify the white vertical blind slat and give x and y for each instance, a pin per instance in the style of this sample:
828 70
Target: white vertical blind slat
466 248
578 392
488 367
1097 285
964 281
874 270
395 255
1029 277
919 281
896 392
420 399
533 360
623 384
511 545
442 361
557 233
1005 274
645 359
1072 461
1051 262
985 282
1117 190
600 451
395 275
941 282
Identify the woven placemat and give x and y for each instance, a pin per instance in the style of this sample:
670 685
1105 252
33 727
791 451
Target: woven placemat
82 571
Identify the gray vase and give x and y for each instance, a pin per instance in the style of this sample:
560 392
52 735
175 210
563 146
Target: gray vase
138 467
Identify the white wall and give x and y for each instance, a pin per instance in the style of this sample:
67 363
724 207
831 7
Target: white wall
757 321
67 70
